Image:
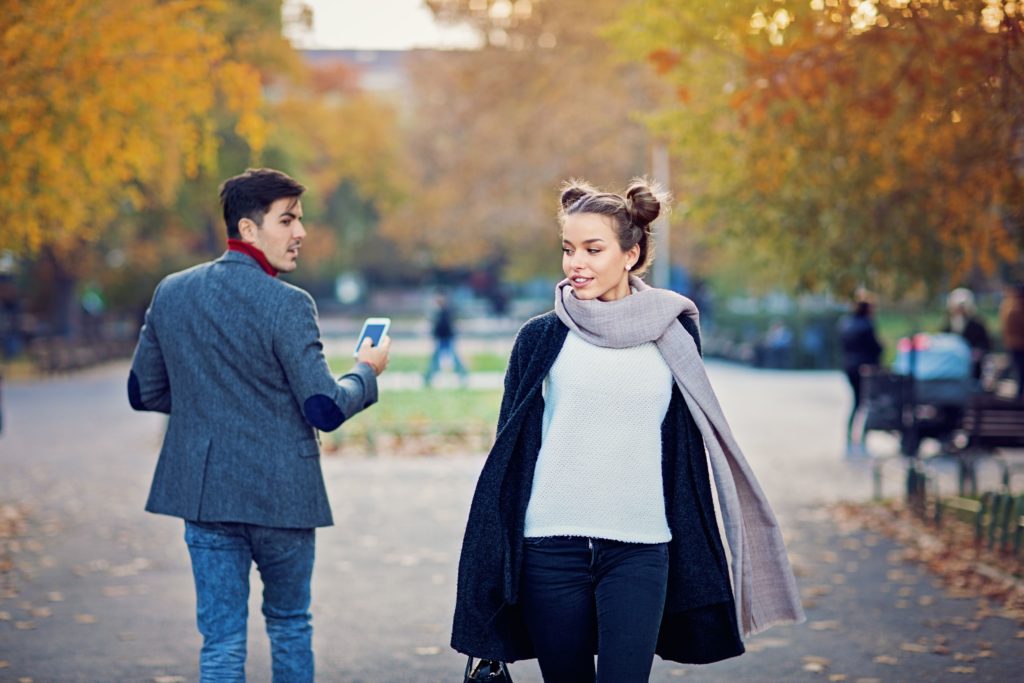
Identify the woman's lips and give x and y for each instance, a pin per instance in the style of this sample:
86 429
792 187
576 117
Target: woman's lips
578 281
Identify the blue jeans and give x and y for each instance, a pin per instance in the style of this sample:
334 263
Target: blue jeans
445 347
222 555
586 595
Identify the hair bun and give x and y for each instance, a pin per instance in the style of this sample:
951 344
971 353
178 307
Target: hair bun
642 203
574 190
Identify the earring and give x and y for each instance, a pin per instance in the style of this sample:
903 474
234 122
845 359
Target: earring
628 266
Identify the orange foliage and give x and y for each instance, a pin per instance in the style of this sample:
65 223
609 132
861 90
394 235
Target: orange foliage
105 102
857 143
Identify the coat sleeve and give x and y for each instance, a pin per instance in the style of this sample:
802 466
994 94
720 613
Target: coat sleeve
691 327
326 402
512 379
149 387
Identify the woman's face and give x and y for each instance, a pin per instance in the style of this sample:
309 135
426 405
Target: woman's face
593 260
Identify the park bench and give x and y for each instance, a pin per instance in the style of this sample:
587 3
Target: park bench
55 355
986 427
990 427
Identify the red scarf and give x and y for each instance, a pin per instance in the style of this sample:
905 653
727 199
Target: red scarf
259 256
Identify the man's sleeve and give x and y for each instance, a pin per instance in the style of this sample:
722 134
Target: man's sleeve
148 385
326 402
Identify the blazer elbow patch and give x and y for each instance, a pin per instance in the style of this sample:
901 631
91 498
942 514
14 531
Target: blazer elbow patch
135 392
323 413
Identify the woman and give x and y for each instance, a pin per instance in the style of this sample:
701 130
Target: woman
861 352
592 528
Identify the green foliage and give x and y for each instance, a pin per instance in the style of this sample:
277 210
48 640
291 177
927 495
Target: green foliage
826 145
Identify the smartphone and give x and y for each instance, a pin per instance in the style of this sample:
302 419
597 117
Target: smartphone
375 329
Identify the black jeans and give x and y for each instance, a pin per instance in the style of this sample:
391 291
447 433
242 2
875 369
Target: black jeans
581 595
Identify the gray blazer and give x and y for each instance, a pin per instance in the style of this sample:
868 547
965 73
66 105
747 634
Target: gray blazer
234 357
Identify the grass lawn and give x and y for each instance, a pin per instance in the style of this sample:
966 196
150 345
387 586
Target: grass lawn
421 422
477 362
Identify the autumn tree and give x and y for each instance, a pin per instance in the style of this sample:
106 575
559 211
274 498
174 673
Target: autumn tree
840 143
346 146
497 129
105 106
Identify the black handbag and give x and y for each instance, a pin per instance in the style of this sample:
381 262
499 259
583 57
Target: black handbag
487 670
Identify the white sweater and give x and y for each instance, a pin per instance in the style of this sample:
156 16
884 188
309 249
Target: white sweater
598 473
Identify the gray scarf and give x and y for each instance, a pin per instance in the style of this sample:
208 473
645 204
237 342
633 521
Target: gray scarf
763 583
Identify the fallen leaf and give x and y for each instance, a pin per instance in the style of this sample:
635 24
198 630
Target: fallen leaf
940 650
913 647
42 612
961 669
762 643
85 618
677 673
168 679
25 625
812 659
925 600
55 596
24 679
430 650
4 664
886 659
837 677
824 625
5 616
814 667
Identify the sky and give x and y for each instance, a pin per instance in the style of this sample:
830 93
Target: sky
377 24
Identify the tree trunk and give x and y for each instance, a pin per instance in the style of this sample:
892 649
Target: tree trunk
65 313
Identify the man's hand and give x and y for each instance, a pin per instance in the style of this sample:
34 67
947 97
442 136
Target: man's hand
375 356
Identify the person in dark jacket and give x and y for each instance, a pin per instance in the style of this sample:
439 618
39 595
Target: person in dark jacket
443 330
861 351
592 528
962 318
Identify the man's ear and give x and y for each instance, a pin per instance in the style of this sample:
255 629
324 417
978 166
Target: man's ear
247 230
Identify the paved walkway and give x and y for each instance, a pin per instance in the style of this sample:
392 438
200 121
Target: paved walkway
101 591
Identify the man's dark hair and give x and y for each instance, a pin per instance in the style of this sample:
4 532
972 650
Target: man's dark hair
250 195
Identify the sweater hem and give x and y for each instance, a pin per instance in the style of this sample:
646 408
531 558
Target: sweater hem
604 534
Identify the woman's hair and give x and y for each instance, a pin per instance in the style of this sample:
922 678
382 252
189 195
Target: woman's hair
631 213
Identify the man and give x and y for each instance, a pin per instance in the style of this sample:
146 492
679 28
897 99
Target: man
234 356
443 329
1011 320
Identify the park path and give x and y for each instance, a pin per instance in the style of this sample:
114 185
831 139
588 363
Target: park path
101 591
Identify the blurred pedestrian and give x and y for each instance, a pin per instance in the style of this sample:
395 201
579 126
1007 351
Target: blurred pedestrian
443 330
592 529
862 353
233 356
1011 320
962 319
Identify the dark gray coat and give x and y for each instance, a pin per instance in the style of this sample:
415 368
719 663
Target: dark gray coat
699 625
234 357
